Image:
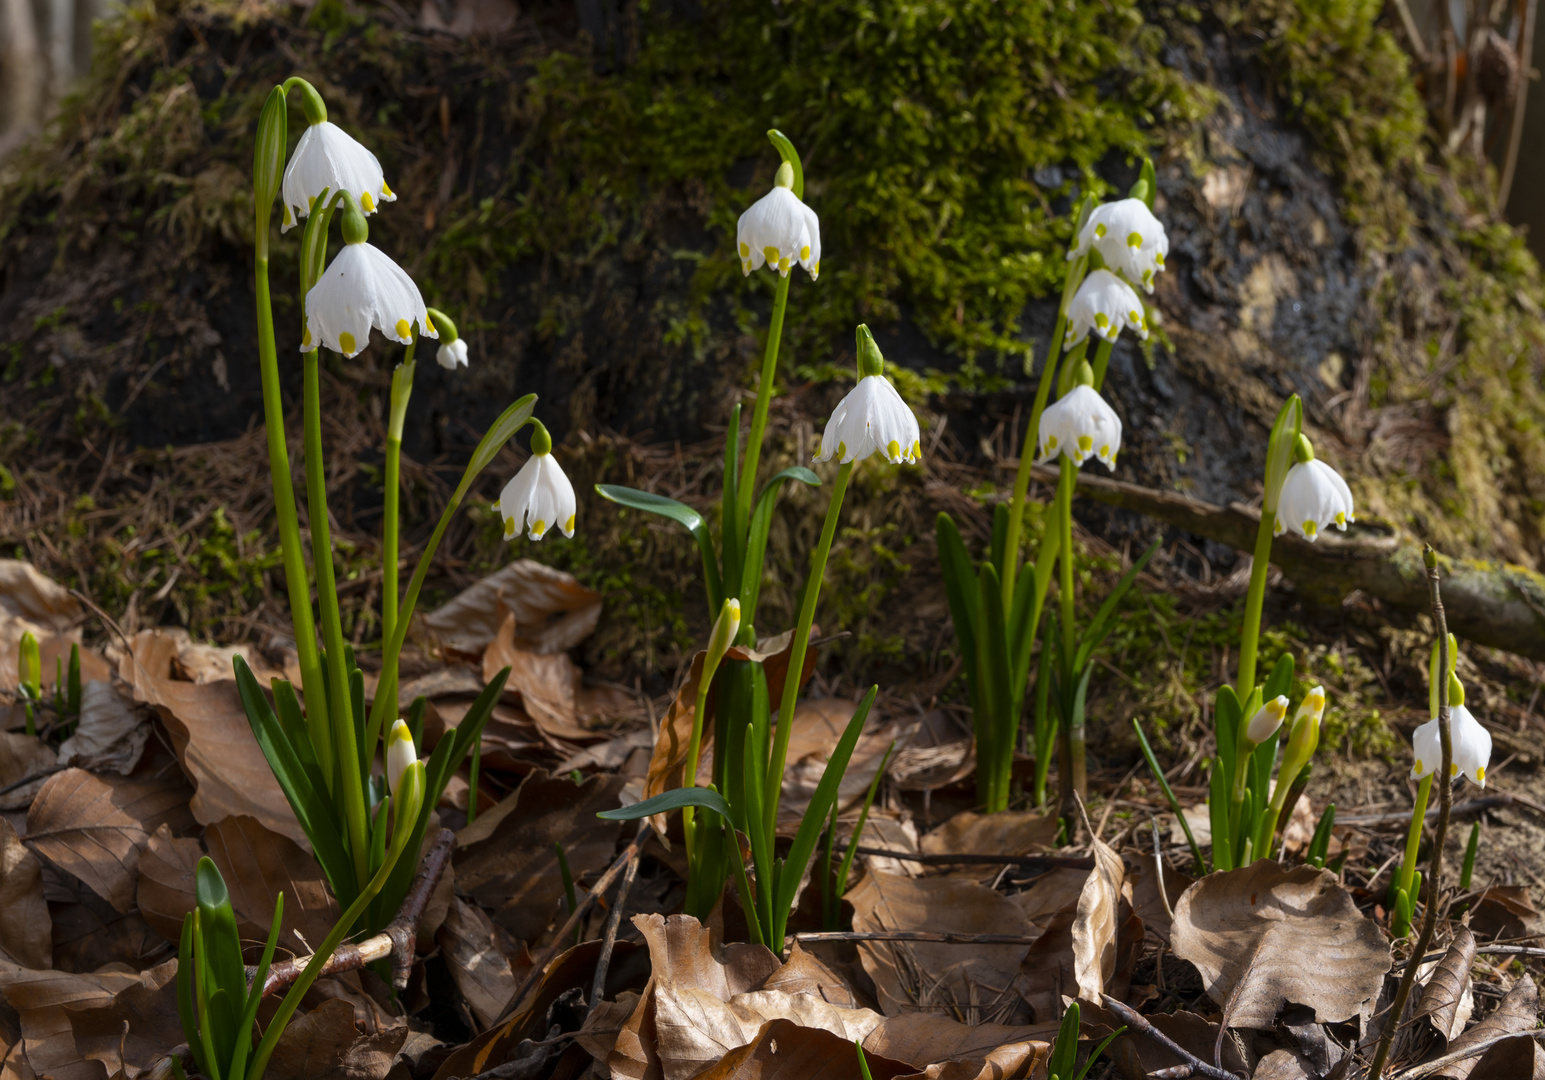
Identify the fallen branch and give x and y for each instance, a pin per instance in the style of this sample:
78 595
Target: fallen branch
938 937
1494 604
609 938
1030 861
1139 1023
395 941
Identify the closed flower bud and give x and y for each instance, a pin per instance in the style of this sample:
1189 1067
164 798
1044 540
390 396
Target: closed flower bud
1313 498
452 354
725 627
400 753
1264 724
30 667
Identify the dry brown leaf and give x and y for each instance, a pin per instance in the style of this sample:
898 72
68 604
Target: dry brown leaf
924 1040
1446 1000
211 736
325 1045
90 934
782 1050
1192 1033
1295 933
545 684
1505 912
509 864
817 727
478 954
1095 923
199 663
1518 1013
1051 894
1283 1065
95 829
27 593
1011 832
1146 901
166 869
22 756
135 1028
1519 1058
913 976
110 734
552 611
257 865
804 973
26 930
51 1003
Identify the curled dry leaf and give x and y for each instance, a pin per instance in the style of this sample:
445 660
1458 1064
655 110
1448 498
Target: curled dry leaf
73 1025
545 684
1096 922
1518 1058
90 934
1518 1013
211 736
479 955
325 1045
1291 934
26 930
914 976
551 610
110 734
22 756
782 1050
1011 832
993 1050
1446 1000
1283 1065
1504 912
94 829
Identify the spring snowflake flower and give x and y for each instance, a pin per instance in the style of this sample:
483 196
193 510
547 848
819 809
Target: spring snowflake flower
1105 304
363 288
452 354
872 417
1128 237
327 157
1313 498
779 230
400 753
537 498
1471 746
1264 724
1080 425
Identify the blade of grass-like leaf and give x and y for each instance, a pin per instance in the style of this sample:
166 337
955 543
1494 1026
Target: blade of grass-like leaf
255 995
1169 794
187 1013
960 588
863 818
674 799
756 540
732 531
1105 617
683 515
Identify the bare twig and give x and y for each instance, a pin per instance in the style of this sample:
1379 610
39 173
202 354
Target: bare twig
1028 861
1399 817
1520 98
24 781
1139 1023
395 941
1158 865
940 937
1440 834
1427 1068
609 939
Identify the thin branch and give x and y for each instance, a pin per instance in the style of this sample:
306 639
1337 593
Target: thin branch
609 939
940 937
1398 817
1029 861
1139 1023
1427 1068
1520 99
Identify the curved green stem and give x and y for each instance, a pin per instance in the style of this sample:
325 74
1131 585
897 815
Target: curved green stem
1414 835
1255 600
773 782
764 394
1101 361
1065 485
402 390
1010 568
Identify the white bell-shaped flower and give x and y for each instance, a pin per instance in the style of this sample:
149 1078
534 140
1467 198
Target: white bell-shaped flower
1471 744
363 288
1080 425
1128 237
778 231
400 753
537 498
1313 498
452 354
1105 304
327 157
872 417
1264 724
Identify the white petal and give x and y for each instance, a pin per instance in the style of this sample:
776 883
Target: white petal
363 288
780 231
1471 744
1314 497
871 417
1081 425
1128 237
1428 748
327 157
452 354
1106 305
536 499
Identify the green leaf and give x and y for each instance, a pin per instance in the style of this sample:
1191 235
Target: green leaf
255 994
1280 682
1064 1051
1000 529
701 797
1174 804
1218 814
1226 715
186 1012
787 152
756 540
731 528
683 515
960 589
1105 618
499 432
217 925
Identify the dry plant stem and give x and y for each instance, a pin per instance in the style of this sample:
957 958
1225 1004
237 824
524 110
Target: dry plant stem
1139 1023
941 937
613 922
1398 817
1440 834
1515 136
395 941
566 931
1073 862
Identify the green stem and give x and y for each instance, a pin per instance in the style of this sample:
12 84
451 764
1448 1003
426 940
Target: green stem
1065 485
1256 598
1010 568
1414 835
694 749
764 395
1101 360
344 735
402 390
773 783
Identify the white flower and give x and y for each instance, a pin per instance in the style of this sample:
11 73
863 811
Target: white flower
361 289
1105 304
779 231
1264 724
537 498
452 354
1471 745
1313 497
871 418
400 753
1128 237
328 157
1080 425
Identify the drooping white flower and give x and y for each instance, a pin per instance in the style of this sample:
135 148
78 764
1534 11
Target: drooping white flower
778 231
328 157
872 417
400 753
363 288
1471 745
1105 304
1080 425
1128 237
1264 724
1313 498
538 497
452 354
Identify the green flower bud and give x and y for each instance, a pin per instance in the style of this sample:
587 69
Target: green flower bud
268 162
541 441
870 362
29 667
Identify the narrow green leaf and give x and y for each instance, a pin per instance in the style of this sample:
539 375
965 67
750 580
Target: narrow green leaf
1218 815
701 797
683 515
1105 618
186 1012
1000 529
1169 794
756 540
961 590
732 531
1280 682
499 432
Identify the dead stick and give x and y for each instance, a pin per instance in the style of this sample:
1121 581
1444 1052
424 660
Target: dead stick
609 939
1139 1023
1427 1068
1440 834
567 929
395 941
940 937
1032 861
24 781
1473 806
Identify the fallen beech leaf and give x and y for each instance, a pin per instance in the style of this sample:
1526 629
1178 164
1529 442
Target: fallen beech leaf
324 1045
90 934
1011 832
1051 894
257 865
1517 1014
1505 912
27 593
479 961
817 727
46 1001
211 736
1146 902
110 734
26 930
1283 1065
1446 999
512 868
148 1008
545 684
552 611
921 1040
1095 923
782 1050
199 663
22 756
804 973
913 976
166 868
95 829
1294 935
1519 1058
1191 1032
